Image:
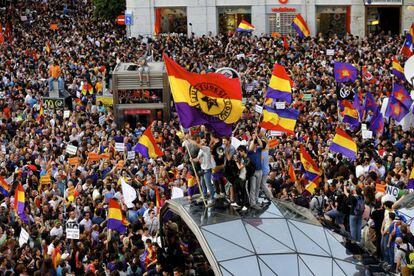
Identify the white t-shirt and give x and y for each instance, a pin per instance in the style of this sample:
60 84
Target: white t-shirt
400 254
206 159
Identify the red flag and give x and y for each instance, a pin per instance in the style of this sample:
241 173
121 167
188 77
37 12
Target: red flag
157 199
285 43
292 174
8 32
1 34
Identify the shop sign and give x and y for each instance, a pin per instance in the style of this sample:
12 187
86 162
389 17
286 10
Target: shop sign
283 9
137 112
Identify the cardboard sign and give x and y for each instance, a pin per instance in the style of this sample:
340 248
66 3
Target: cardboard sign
102 120
391 190
119 147
131 155
120 164
273 143
280 105
71 150
307 97
177 193
105 155
66 114
92 156
276 133
72 230
24 237
366 134
258 108
330 52
45 179
363 126
74 161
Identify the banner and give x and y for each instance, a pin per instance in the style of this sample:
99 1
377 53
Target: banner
45 179
53 103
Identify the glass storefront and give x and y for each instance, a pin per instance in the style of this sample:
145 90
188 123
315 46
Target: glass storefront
280 20
332 20
172 20
230 17
383 19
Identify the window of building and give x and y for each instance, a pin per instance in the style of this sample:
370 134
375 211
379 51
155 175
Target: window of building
281 22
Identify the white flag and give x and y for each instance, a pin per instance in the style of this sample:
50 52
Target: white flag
129 193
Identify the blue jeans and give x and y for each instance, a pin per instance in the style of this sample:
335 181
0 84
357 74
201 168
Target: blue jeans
60 83
207 184
355 224
255 182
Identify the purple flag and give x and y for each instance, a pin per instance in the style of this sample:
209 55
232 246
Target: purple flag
345 72
370 103
376 125
402 95
395 109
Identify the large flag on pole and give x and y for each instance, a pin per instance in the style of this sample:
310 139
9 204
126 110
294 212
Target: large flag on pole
147 145
279 85
209 99
19 202
312 171
345 72
245 26
116 220
343 143
407 49
299 24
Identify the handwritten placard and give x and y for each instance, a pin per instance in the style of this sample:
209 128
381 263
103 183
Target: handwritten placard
131 155
119 147
258 108
70 149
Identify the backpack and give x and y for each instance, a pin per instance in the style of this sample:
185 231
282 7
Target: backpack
409 256
359 207
320 205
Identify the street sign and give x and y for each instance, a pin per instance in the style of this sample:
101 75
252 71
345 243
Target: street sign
128 19
72 230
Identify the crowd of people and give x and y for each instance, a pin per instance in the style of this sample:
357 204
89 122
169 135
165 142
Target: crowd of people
48 39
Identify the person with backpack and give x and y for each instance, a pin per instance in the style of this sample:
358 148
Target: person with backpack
403 256
317 204
356 203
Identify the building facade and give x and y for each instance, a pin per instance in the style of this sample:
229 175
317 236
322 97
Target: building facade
203 17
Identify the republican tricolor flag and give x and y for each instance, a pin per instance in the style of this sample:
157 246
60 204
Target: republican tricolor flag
116 220
280 85
147 145
299 24
343 143
311 169
19 202
210 99
397 69
245 26
4 187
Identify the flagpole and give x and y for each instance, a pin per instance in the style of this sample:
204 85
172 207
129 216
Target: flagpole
194 169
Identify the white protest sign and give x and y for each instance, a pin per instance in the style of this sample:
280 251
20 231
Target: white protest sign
258 108
71 149
102 120
131 155
235 142
3 148
276 133
366 134
119 147
330 52
176 193
363 126
280 105
66 114
24 237
391 190
72 230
